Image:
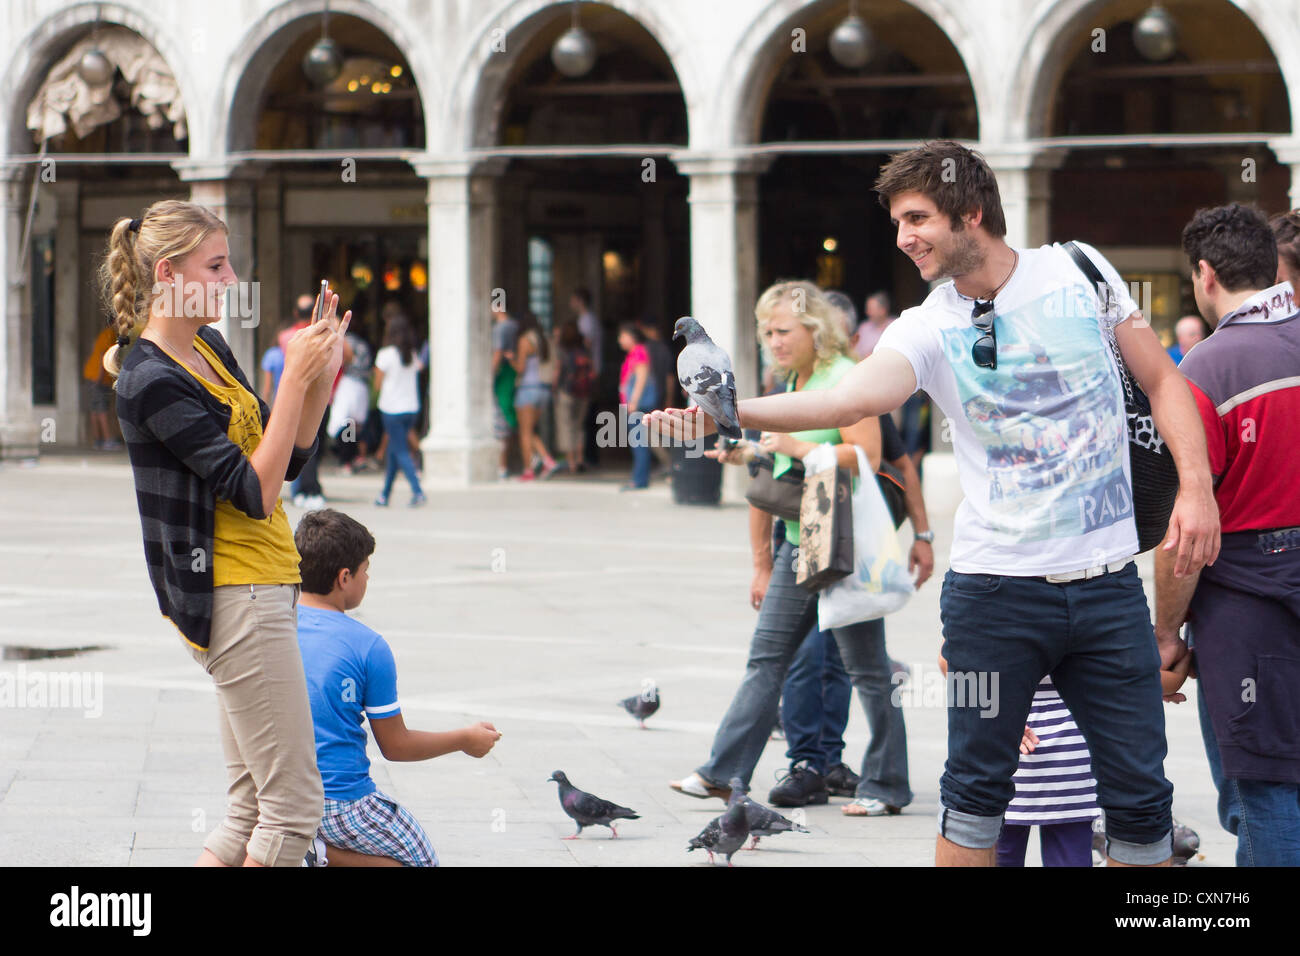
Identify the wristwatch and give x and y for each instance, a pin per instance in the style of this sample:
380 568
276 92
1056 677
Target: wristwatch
926 536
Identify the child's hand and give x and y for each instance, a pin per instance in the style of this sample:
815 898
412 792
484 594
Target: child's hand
480 738
1029 741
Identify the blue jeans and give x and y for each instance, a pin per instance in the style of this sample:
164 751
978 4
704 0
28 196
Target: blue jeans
397 427
815 703
1262 815
1001 635
787 614
637 439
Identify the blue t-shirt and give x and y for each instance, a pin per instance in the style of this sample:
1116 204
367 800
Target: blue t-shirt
350 671
273 362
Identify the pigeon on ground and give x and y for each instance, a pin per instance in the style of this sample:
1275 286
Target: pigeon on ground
763 821
705 372
644 704
588 810
725 834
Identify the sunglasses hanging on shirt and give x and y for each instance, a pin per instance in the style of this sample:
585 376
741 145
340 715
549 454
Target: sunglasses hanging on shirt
984 353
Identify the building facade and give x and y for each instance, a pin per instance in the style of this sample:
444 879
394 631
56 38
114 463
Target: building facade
707 149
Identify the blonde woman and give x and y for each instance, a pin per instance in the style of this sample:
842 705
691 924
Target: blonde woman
801 332
209 460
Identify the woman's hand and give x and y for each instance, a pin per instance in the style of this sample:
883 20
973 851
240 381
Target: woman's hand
308 354
338 329
739 455
780 444
758 586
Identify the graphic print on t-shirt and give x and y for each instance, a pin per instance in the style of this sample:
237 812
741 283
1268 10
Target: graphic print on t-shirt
1049 420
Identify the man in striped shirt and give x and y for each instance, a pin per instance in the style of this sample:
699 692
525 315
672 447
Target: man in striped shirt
1244 611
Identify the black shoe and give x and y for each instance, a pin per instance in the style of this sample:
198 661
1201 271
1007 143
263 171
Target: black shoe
802 786
841 781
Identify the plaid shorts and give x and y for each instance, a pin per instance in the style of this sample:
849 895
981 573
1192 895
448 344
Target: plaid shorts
378 825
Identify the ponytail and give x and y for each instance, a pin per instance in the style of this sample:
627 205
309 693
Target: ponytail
123 288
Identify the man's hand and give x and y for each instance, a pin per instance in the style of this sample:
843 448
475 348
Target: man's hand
1193 530
920 561
683 424
1028 741
480 738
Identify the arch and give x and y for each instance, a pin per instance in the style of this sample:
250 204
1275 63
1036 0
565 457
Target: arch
1056 23
481 75
738 107
40 46
260 48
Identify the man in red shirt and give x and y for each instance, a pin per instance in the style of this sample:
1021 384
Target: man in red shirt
1244 611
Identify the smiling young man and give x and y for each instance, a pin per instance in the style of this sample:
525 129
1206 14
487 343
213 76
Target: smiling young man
1014 350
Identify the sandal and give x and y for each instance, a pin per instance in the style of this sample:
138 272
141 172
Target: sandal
696 786
869 807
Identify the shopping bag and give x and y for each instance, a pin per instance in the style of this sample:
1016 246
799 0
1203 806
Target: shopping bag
880 583
825 521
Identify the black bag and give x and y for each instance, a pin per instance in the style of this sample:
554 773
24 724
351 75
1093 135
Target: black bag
890 480
779 497
1155 476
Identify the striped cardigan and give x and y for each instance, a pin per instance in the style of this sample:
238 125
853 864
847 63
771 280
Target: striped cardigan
183 462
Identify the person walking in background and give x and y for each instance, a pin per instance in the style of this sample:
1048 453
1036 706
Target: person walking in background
535 366
593 333
306 488
639 393
99 385
1187 332
575 380
397 371
209 459
351 405
272 364
505 335
879 317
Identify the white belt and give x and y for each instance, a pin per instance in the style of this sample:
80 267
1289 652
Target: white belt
1088 574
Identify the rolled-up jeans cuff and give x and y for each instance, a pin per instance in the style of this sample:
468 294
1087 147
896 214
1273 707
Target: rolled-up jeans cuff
968 830
1140 854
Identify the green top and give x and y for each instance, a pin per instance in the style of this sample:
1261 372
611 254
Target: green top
824 377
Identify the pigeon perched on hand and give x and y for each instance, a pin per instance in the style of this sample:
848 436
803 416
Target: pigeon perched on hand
725 834
588 810
644 704
763 821
705 372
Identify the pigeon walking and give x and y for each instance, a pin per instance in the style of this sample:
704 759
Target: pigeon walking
642 705
588 810
705 372
725 834
763 821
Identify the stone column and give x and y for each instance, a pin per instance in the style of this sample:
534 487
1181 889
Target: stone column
1287 151
723 201
71 344
460 447
212 184
19 428
1025 183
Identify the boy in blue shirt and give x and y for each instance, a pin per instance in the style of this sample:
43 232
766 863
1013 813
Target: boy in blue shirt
350 671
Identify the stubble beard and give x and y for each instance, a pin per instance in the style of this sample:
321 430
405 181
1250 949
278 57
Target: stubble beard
964 258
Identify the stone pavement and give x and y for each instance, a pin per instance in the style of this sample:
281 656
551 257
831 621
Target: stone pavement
535 607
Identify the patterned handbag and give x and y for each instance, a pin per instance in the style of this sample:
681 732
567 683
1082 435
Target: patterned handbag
1155 476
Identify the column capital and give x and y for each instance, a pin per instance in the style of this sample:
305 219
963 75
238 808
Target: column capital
461 165
719 163
1020 156
1286 149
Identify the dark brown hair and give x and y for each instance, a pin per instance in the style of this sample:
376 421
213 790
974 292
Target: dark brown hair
956 179
1237 241
329 541
1286 230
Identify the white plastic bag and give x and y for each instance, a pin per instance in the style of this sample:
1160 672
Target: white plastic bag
880 583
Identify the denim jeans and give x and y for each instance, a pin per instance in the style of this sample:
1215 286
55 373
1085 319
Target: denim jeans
637 439
1263 816
1002 634
787 614
815 703
397 427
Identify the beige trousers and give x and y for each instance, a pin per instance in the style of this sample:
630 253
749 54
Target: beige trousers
275 799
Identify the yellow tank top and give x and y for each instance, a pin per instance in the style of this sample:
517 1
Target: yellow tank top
246 550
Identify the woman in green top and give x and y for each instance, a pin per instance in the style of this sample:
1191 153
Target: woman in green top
801 332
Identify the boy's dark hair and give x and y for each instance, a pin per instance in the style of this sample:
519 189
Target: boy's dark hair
328 542
1237 241
1286 230
956 179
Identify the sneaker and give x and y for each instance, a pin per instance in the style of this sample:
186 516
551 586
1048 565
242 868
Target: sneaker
314 502
800 787
316 854
299 500
551 468
502 474
870 807
381 501
841 781
418 500
528 476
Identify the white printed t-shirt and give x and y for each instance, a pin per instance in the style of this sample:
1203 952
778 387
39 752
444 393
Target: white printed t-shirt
1041 442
